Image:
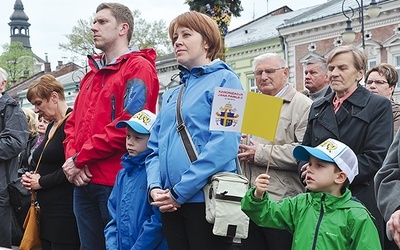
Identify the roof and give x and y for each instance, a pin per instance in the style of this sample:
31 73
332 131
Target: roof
262 28
325 10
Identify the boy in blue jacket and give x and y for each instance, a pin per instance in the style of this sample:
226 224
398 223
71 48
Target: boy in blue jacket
135 224
327 217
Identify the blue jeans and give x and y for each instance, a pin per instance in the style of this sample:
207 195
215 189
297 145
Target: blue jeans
91 212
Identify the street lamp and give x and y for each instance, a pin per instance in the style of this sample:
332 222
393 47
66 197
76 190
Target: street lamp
373 11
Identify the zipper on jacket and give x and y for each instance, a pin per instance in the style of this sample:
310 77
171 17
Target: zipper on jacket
112 107
321 214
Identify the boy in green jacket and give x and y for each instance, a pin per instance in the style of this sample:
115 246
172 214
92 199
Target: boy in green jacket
325 218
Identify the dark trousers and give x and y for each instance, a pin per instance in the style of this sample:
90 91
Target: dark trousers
187 229
47 245
5 226
262 238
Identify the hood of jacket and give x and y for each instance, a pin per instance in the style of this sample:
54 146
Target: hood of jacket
214 66
95 62
131 162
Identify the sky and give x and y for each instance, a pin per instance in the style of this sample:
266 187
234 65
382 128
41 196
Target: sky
51 20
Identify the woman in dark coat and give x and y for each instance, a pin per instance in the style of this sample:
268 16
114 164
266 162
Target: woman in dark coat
356 117
58 229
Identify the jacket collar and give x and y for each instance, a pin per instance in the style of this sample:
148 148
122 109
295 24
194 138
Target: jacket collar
330 202
359 98
288 94
131 162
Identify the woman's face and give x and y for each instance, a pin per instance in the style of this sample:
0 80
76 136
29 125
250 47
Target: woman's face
343 76
45 108
190 48
377 84
42 126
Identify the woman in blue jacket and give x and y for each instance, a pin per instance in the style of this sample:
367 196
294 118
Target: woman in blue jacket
174 182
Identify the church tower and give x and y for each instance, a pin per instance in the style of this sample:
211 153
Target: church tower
19 26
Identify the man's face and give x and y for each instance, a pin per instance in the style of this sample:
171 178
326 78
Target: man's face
105 29
273 76
315 77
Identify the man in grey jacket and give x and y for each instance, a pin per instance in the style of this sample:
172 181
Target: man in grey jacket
271 73
13 139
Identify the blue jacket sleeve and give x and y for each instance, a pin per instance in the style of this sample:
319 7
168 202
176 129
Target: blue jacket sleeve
111 230
151 235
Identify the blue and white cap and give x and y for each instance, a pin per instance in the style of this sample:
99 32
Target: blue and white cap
331 150
142 122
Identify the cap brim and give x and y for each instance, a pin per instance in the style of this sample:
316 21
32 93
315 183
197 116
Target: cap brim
303 153
133 125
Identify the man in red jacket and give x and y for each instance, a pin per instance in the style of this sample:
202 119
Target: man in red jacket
121 82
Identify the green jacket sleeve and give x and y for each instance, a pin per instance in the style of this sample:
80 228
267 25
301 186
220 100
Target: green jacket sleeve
364 234
266 212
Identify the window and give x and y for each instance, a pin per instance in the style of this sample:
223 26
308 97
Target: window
252 85
396 64
371 63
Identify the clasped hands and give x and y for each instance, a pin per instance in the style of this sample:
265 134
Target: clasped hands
30 181
78 177
163 200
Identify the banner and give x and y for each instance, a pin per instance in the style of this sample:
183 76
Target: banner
246 112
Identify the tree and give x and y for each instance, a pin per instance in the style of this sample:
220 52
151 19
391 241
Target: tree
17 61
145 35
219 10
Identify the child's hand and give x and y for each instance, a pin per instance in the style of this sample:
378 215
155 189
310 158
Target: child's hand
262 182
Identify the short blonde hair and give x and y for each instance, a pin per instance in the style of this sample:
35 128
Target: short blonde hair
32 120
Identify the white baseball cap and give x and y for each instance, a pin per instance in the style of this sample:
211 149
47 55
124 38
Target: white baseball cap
142 122
331 150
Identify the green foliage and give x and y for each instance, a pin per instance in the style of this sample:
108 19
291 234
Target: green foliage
17 61
145 35
151 35
219 10
81 39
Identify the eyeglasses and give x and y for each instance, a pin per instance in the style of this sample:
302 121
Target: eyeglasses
378 82
266 71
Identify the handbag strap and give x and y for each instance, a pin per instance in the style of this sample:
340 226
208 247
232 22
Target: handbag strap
185 136
182 130
49 139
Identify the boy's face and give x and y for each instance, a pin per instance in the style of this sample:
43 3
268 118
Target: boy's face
135 143
321 176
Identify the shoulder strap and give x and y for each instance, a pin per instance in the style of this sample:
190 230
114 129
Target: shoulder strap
185 136
182 130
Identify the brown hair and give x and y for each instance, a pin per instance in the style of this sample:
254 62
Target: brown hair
386 70
121 13
202 24
359 56
43 87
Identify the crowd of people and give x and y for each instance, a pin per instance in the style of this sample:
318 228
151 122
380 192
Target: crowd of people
112 173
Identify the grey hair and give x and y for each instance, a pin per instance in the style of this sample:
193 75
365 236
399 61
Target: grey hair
3 75
318 60
265 56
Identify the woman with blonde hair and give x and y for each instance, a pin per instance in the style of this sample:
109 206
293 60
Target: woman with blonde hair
31 118
58 229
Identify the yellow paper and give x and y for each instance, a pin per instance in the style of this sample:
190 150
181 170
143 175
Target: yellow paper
261 115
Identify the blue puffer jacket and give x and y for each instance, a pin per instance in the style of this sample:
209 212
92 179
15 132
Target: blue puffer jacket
135 224
168 165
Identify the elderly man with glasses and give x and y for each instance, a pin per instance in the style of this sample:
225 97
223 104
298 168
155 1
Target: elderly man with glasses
271 73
